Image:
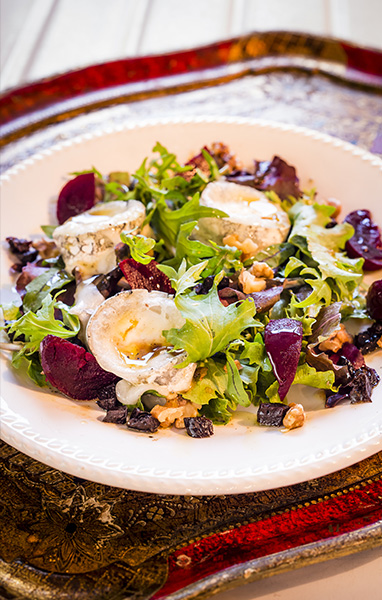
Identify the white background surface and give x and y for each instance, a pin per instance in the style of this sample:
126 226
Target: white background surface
43 37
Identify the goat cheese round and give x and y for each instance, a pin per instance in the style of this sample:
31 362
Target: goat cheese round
87 240
125 334
250 215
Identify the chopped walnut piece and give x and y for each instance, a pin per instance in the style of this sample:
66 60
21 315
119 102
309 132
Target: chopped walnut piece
295 417
261 269
174 411
337 205
224 158
336 340
249 283
46 249
248 247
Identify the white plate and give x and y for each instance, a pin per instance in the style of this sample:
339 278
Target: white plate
240 457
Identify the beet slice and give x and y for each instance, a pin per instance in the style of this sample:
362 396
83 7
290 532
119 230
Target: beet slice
76 196
366 241
72 369
283 339
374 300
147 277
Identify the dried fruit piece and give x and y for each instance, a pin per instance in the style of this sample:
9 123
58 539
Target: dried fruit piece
116 415
370 339
283 339
271 414
199 427
366 241
147 277
143 421
76 196
374 300
72 370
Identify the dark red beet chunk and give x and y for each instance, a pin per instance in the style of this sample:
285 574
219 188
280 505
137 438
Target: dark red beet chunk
147 277
283 339
366 241
72 370
374 300
76 196
271 414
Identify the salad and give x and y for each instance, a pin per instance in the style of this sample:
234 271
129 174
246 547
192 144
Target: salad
174 295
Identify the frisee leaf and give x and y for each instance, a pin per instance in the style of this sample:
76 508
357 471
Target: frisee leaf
139 247
36 326
209 326
184 278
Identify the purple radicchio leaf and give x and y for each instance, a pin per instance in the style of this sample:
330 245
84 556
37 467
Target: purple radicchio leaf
283 340
275 175
366 241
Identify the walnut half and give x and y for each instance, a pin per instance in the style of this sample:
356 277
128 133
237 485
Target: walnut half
295 417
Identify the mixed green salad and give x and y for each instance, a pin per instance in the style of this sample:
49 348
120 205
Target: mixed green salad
178 293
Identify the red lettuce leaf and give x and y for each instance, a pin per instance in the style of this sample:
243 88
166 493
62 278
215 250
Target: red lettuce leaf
275 175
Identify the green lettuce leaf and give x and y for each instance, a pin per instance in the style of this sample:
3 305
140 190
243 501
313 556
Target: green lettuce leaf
209 326
139 247
39 288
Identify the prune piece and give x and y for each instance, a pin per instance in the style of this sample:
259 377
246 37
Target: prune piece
147 277
71 369
199 427
142 421
205 286
335 399
367 340
107 398
18 246
372 374
283 340
77 196
116 415
366 241
107 284
360 387
271 414
374 300
332 223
